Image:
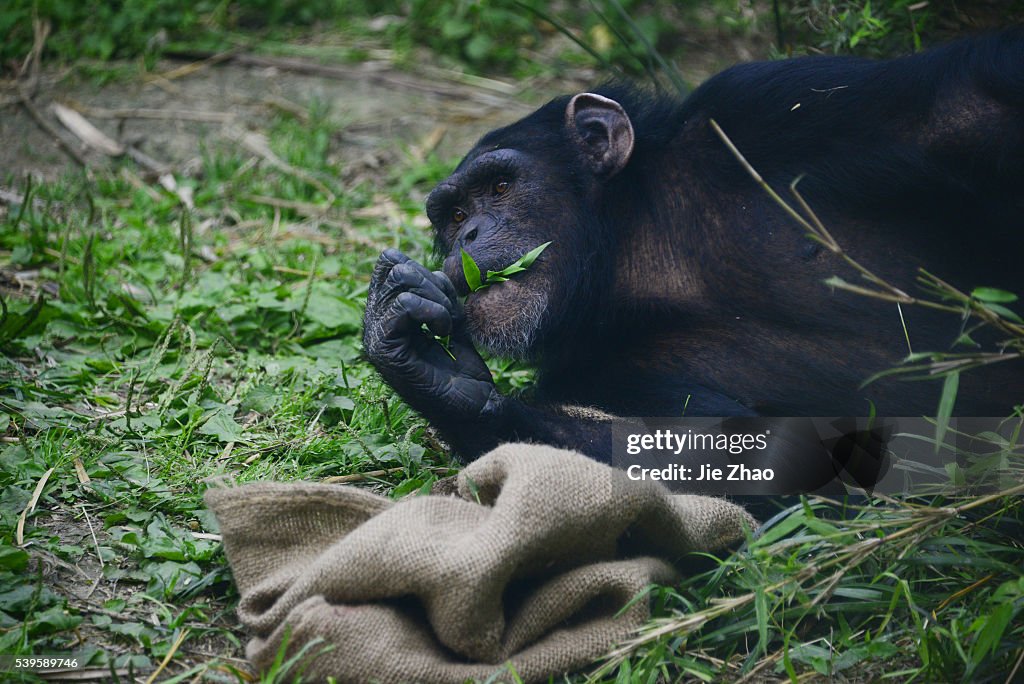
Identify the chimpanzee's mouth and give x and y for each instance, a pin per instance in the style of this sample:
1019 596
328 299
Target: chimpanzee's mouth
505 290
458 279
505 318
495 304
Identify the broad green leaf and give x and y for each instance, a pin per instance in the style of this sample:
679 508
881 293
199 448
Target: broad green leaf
991 294
263 398
222 426
340 402
471 271
327 308
13 559
52 620
992 632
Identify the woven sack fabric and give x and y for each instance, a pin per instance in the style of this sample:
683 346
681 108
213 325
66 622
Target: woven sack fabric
528 567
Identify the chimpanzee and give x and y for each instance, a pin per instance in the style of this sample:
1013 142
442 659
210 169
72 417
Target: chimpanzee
672 279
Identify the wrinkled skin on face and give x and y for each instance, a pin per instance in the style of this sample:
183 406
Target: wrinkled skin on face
498 205
674 283
515 191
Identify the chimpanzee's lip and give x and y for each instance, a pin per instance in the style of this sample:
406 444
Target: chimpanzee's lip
498 286
496 301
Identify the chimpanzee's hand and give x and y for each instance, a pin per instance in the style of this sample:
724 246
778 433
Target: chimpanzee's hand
450 385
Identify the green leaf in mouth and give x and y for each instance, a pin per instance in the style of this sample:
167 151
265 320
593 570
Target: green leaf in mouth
472 271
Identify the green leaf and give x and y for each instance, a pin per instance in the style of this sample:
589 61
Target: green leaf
222 426
1004 312
135 630
13 559
779 530
991 294
52 620
494 275
471 271
835 281
946 401
859 593
811 654
479 47
340 402
966 341
786 662
169 577
474 491
992 633
327 308
263 398
527 259
761 613
456 28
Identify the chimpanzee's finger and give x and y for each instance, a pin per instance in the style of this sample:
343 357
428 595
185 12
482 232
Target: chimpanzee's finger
412 277
431 276
446 286
394 255
410 311
385 263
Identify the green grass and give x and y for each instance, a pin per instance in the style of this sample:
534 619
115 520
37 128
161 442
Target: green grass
519 38
147 350
156 366
154 348
901 592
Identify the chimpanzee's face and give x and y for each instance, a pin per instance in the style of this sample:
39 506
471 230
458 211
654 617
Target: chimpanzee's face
533 182
498 205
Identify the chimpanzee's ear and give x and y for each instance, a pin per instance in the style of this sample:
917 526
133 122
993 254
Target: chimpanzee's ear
601 129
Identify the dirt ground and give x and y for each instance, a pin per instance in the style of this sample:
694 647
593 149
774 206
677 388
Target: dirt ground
169 119
184 103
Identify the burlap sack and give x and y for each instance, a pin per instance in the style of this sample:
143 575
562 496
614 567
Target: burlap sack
530 564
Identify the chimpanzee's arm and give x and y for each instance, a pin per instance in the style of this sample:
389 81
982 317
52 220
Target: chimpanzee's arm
451 386
511 420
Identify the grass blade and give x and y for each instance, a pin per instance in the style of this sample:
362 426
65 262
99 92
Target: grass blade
946 402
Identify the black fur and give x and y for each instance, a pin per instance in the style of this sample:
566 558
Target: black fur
677 281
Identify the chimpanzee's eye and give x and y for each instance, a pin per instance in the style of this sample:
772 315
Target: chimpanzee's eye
458 215
501 186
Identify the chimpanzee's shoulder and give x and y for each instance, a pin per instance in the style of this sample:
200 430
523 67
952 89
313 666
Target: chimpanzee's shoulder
995 57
